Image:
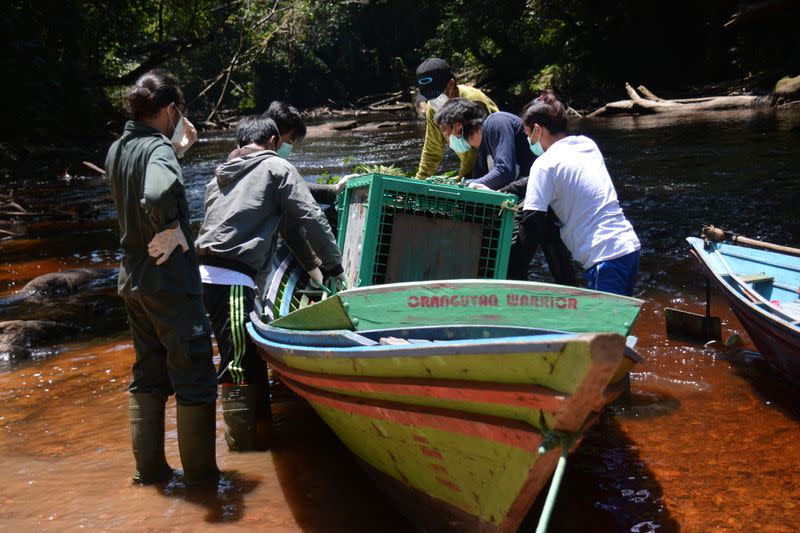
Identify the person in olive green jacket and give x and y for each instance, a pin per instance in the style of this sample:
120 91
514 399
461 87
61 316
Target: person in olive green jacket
437 84
161 286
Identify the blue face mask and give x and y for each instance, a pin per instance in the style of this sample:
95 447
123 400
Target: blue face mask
285 150
459 144
536 147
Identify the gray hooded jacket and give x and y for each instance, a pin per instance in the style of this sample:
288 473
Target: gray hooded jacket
244 204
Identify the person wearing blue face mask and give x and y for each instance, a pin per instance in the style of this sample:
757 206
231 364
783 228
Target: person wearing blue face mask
499 139
249 197
503 154
292 130
570 176
437 84
290 125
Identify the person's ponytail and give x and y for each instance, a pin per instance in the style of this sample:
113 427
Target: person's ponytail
151 92
547 111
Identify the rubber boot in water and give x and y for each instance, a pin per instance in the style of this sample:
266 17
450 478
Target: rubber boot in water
197 443
246 428
146 411
263 410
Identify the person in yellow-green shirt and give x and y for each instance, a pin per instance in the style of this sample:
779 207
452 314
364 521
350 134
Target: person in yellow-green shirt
437 84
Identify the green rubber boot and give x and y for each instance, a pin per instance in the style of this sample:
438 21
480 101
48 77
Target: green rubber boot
146 412
197 443
245 411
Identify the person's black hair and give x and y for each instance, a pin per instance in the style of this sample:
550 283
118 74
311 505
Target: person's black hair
151 92
464 111
255 129
287 118
547 111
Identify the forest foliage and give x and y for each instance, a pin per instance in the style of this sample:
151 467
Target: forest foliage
69 62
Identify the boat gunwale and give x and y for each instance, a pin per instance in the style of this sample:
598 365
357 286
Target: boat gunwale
506 284
729 289
502 346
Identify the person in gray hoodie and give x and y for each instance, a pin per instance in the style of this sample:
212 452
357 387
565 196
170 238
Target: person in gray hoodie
244 204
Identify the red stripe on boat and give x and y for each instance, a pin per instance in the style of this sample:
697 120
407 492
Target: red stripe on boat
449 484
430 452
529 397
504 431
440 468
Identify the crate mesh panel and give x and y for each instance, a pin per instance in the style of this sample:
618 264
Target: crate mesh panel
424 205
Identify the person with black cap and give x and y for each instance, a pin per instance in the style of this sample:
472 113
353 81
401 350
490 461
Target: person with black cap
437 84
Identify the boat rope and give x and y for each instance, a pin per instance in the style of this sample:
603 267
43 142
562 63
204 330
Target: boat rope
550 441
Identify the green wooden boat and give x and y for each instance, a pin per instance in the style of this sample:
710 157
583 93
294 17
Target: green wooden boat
461 425
456 394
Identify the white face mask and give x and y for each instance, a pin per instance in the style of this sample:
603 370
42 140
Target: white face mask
438 102
179 140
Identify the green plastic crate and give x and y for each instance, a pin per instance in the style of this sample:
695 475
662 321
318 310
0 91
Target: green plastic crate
394 229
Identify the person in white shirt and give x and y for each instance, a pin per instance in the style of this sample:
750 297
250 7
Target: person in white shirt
570 176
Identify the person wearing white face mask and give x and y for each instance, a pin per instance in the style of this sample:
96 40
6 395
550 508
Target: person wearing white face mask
160 285
437 84
184 135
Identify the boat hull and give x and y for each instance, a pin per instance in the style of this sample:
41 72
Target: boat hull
455 429
775 336
779 346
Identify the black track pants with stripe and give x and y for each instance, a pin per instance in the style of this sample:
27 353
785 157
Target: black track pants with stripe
229 307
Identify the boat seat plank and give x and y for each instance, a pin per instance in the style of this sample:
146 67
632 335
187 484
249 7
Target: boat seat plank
792 309
392 341
397 341
756 278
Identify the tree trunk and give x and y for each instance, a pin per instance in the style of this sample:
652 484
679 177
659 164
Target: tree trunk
652 104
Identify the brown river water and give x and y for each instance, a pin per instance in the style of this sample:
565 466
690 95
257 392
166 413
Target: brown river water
708 442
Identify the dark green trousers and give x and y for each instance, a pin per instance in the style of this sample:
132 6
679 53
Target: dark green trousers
172 339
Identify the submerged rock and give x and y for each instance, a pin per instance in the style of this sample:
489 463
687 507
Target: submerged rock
19 339
68 282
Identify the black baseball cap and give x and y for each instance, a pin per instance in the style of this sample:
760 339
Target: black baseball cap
432 77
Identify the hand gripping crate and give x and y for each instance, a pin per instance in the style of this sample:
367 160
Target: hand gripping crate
394 229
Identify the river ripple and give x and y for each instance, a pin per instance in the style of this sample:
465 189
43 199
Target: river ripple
707 442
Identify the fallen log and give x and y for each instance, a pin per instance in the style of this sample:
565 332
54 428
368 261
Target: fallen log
652 104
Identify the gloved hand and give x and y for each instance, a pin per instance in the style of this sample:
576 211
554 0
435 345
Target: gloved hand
341 282
162 245
315 278
481 186
343 181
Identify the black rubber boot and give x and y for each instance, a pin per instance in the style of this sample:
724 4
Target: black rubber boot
246 413
197 443
146 411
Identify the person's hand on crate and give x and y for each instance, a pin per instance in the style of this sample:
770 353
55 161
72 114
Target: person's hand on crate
343 181
480 186
315 277
341 282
